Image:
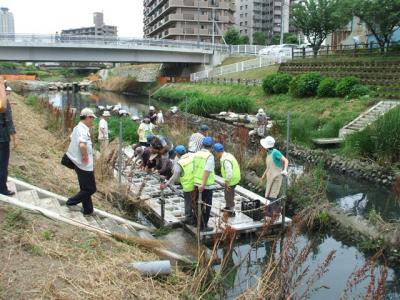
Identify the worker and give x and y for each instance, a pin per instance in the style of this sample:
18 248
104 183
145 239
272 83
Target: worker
183 172
145 129
230 171
163 148
152 115
196 139
261 122
103 136
276 167
204 179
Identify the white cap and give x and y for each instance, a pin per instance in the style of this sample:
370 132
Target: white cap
106 113
268 142
87 112
260 110
152 108
8 89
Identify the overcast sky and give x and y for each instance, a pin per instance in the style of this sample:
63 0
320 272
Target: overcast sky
49 16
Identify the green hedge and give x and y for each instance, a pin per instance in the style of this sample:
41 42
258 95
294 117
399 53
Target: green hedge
345 85
129 129
326 87
276 83
305 85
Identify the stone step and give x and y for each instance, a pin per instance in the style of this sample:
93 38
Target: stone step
29 196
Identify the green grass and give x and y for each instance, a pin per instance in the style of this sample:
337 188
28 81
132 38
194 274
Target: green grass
258 73
310 117
235 59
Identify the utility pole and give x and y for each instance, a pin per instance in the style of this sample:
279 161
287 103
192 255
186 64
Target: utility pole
213 26
282 20
198 24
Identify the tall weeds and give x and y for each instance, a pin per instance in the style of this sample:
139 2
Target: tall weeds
380 141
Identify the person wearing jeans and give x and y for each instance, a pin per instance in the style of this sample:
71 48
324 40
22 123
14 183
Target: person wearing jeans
7 134
80 152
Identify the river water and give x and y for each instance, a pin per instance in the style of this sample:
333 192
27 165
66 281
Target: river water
354 196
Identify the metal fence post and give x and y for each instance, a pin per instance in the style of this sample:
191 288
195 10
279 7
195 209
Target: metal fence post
162 201
120 156
199 216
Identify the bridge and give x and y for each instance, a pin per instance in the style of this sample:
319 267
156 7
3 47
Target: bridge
54 48
69 48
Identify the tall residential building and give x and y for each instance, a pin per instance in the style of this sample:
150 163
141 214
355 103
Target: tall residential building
6 21
192 20
264 16
99 28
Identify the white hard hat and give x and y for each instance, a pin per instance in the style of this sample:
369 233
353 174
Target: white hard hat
152 108
106 113
8 89
267 142
260 110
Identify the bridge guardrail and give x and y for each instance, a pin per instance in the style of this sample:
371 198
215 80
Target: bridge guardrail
259 62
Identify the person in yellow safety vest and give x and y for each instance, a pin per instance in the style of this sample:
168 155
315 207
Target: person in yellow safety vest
204 179
276 167
230 171
183 172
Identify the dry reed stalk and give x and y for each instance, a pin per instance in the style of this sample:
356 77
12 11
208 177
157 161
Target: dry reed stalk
141 242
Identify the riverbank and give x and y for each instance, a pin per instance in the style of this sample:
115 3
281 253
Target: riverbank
64 259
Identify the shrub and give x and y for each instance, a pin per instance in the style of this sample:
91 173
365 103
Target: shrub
306 85
203 105
276 83
345 85
326 87
358 91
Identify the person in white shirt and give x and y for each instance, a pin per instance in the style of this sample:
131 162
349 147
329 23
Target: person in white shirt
103 131
80 152
160 118
196 139
145 129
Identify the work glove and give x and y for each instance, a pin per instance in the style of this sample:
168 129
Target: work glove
284 173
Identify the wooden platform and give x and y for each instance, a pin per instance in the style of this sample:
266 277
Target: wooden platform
328 141
174 205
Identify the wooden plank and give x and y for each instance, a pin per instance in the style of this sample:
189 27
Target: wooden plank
328 141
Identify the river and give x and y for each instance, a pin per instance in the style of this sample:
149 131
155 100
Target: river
352 195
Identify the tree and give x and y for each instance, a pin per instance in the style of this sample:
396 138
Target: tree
288 38
318 18
259 38
244 40
380 16
232 36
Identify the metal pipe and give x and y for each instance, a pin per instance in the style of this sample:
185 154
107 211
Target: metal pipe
199 216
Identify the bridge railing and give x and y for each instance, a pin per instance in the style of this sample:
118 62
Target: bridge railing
259 62
123 42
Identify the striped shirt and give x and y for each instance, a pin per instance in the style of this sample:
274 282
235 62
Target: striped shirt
196 142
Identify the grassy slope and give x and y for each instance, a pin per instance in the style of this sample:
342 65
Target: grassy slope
258 73
312 117
235 59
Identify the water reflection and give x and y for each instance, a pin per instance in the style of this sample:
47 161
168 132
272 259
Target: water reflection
360 197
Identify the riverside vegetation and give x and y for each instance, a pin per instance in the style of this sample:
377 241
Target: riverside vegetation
311 117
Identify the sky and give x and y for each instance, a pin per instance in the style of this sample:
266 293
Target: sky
49 16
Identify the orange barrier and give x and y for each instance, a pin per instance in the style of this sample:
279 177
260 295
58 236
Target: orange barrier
18 77
166 79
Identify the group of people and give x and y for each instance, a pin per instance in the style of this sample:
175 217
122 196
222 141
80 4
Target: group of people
192 166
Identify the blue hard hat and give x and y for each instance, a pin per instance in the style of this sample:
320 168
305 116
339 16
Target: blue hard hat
204 127
150 138
180 149
208 141
218 147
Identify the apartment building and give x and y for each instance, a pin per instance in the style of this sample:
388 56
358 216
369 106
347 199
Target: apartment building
99 28
265 16
6 21
191 20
